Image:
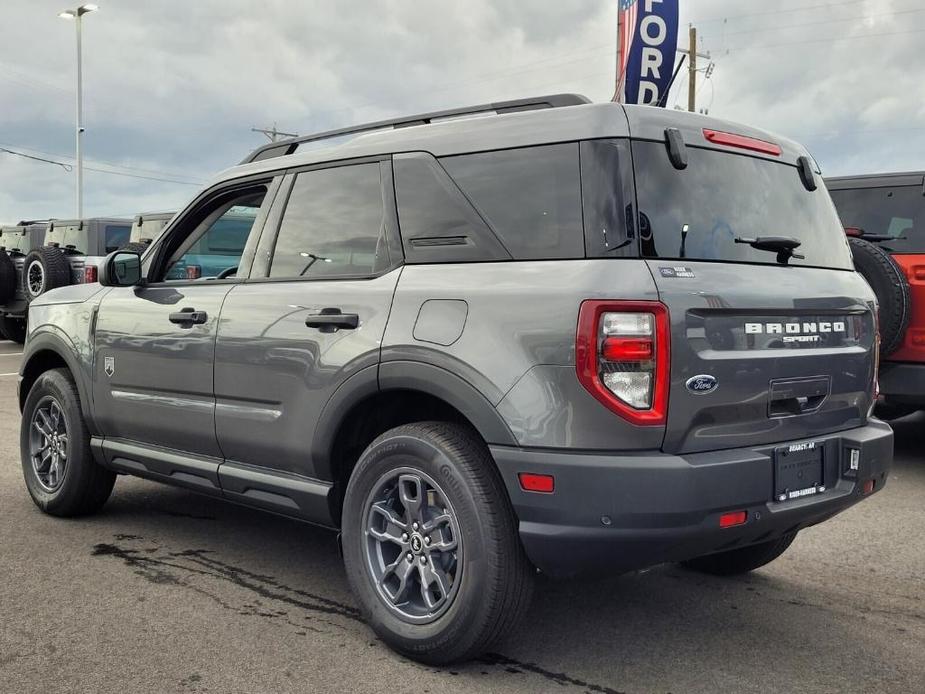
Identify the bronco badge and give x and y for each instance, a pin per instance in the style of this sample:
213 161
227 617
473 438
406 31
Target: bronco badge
702 384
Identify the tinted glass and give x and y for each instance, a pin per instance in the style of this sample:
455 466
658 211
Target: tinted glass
722 196
116 236
219 248
333 226
531 197
895 212
438 224
606 192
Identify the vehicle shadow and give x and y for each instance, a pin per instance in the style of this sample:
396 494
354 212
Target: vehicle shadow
674 629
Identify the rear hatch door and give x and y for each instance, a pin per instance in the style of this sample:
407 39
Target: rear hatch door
764 349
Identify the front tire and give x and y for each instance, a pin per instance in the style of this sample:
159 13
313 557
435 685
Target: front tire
431 545
740 561
61 475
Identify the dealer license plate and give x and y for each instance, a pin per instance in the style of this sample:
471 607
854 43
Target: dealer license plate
798 470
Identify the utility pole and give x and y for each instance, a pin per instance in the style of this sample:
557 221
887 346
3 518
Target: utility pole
692 70
273 133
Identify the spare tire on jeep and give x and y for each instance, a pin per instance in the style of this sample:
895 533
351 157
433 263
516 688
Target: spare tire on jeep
43 269
891 288
7 278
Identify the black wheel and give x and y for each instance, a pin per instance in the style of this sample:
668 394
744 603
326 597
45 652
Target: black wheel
431 545
740 561
138 247
13 328
891 288
43 269
7 278
61 475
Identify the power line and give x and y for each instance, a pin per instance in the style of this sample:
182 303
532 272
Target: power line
66 167
827 40
823 21
827 5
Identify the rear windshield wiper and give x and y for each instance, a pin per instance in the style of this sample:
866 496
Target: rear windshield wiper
784 246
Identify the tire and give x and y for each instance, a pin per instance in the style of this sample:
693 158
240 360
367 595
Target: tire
43 269
82 486
888 411
891 288
489 578
13 329
740 561
138 247
7 278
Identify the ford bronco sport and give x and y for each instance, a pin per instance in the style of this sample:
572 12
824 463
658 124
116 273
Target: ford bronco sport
884 216
561 336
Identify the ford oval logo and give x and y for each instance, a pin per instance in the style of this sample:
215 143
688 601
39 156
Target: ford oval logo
702 384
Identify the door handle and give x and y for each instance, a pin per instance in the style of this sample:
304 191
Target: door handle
188 317
331 319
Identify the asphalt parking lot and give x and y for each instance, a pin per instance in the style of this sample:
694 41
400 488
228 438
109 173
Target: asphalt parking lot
168 591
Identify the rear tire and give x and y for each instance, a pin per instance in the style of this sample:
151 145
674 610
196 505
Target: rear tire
43 269
487 581
13 328
67 481
7 278
740 561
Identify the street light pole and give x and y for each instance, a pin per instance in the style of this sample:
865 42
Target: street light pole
77 16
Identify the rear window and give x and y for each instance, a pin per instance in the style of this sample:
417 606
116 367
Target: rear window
116 236
698 212
897 212
531 197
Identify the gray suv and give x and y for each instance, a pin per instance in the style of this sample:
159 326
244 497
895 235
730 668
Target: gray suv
560 336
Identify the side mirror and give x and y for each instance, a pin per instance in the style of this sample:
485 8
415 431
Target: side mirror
121 269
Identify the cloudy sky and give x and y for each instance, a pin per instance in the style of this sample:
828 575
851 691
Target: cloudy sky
172 88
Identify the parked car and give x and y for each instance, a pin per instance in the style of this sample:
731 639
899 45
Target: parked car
16 242
563 336
884 216
73 251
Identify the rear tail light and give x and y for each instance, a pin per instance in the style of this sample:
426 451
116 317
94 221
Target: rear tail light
718 137
193 272
622 357
90 274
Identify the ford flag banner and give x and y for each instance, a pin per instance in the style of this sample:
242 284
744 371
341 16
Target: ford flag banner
648 40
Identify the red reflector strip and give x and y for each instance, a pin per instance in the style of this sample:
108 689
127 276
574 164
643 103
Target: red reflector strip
853 231
627 349
728 520
718 137
531 482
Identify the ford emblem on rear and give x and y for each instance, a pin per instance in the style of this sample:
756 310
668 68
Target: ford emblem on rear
702 384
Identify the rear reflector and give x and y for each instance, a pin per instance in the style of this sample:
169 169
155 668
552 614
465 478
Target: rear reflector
853 231
918 272
90 274
531 482
718 137
869 486
628 349
728 520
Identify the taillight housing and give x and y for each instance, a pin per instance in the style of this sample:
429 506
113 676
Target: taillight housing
622 356
91 273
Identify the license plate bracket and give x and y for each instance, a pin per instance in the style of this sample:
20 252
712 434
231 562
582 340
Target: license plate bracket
799 470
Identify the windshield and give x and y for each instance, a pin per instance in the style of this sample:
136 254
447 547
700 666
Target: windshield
698 212
897 212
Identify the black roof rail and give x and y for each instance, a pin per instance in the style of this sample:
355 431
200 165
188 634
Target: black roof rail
284 147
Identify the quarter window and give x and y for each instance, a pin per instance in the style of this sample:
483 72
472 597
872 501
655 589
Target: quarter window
333 226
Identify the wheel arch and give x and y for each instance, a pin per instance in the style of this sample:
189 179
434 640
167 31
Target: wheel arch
369 404
47 351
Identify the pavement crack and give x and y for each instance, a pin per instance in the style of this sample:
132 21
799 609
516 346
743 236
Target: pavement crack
559 678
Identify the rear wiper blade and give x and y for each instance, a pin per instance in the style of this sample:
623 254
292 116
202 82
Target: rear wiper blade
784 246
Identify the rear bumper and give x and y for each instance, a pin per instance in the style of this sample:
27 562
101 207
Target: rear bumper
903 383
664 508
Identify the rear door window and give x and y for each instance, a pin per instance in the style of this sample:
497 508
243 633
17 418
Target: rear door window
117 236
897 212
333 226
697 213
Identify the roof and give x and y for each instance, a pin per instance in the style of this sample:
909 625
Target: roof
58 223
879 180
524 128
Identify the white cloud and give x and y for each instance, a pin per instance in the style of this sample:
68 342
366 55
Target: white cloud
175 86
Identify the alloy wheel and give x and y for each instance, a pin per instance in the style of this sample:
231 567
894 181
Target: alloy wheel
35 278
412 545
48 443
